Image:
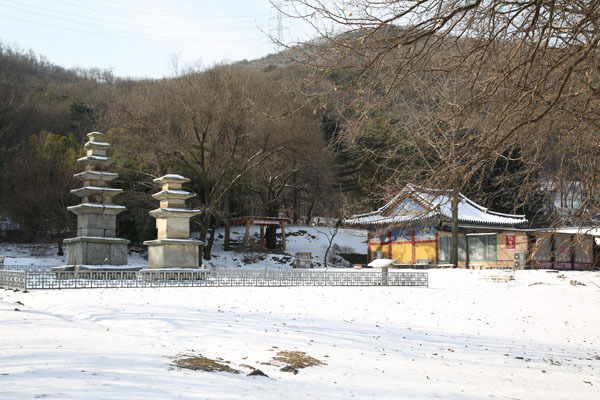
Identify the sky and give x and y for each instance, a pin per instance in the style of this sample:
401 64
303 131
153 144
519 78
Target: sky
144 38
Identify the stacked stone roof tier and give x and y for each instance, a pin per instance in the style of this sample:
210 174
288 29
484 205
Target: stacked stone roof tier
172 198
96 214
96 195
96 178
96 158
173 247
172 218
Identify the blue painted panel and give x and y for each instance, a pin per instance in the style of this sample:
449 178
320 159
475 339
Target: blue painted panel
401 235
426 232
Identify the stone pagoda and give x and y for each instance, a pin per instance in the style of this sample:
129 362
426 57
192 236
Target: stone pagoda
96 243
173 247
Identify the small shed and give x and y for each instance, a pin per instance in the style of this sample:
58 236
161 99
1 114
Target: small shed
262 222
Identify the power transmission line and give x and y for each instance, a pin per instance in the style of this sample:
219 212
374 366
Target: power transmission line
151 25
160 13
121 36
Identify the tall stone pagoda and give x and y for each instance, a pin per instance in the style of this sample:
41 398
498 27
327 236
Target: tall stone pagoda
173 247
96 243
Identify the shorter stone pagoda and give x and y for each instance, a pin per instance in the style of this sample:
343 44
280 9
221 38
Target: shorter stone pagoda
173 247
96 243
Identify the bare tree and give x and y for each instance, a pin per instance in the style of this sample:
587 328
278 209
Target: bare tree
522 75
330 234
201 125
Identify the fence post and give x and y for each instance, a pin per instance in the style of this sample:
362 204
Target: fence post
384 276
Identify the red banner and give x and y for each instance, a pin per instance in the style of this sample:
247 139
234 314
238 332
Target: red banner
510 241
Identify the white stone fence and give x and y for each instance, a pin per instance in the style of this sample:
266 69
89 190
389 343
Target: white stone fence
40 278
13 279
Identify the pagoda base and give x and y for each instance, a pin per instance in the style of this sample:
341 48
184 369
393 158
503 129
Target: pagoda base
173 253
89 250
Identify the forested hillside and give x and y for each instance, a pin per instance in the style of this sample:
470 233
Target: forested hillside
244 134
309 131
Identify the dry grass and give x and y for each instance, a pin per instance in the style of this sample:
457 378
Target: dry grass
297 359
501 278
199 362
291 361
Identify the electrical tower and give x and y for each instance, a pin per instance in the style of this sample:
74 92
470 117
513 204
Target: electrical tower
278 20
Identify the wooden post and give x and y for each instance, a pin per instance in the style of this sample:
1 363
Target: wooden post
247 235
454 239
369 253
262 236
437 249
413 246
389 236
282 235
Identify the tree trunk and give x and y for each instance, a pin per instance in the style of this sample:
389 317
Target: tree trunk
208 246
296 202
226 246
271 237
331 236
60 252
271 232
310 210
203 233
454 240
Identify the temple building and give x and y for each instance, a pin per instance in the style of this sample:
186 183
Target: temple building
414 228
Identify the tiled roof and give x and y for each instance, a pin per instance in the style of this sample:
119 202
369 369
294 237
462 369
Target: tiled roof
414 204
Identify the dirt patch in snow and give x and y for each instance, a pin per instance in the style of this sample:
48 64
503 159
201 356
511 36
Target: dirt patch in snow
501 278
297 359
199 362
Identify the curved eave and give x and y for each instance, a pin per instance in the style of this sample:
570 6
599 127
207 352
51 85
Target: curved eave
369 221
495 222
171 178
87 190
96 145
96 160
173 213
96 175
390 220
173 195
94 208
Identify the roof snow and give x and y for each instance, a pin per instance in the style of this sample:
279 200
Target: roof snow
171 176
416 204
100 158
176 192
99 144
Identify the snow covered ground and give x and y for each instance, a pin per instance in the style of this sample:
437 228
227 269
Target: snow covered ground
470 335
44 254
300 238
